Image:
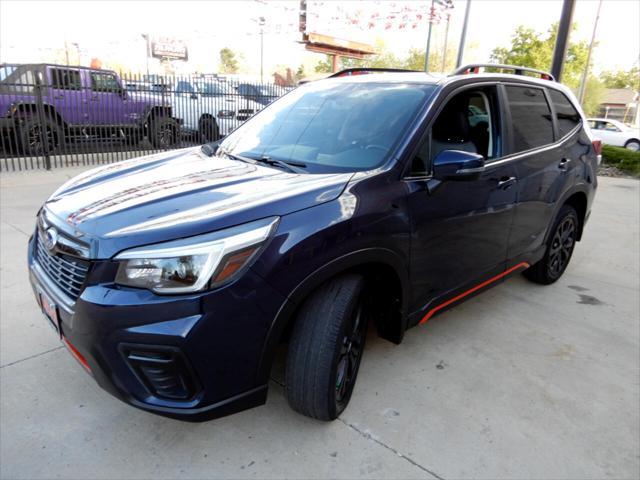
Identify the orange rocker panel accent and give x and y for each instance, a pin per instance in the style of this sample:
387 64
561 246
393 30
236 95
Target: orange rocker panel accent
434 310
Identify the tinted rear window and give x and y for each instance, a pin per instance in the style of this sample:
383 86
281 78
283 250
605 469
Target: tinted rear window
66 79
530 117
568 117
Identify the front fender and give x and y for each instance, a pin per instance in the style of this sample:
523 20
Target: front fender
344 263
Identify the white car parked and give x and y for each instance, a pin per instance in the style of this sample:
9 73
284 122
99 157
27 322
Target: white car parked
613 132
209 108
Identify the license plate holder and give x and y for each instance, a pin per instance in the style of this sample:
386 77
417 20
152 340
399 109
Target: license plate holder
50 311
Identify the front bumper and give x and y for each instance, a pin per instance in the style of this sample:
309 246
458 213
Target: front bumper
217 337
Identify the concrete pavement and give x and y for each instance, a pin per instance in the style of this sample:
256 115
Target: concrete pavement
522 381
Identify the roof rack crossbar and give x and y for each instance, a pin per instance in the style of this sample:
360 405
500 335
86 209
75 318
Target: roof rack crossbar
365 70
518 70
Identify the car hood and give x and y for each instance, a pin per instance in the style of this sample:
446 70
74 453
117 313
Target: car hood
178 194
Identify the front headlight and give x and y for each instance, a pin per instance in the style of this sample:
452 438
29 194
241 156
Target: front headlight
196 263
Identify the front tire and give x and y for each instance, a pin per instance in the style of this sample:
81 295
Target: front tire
326 348
208 130
163 132
560 247
37 139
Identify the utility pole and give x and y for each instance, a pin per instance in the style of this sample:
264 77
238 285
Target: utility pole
444 49
426 53
585 74
562 39
146 38
463 35
261 22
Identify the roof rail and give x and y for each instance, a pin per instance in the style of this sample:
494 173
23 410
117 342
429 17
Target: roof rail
475 68
365 70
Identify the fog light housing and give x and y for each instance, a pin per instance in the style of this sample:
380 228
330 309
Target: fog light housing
164 371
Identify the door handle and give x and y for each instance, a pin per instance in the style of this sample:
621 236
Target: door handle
564 163
58 97
506 182
95 99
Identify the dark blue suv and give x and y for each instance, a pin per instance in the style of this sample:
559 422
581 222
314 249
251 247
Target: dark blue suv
378 199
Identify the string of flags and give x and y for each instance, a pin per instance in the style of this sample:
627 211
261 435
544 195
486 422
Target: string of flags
379 15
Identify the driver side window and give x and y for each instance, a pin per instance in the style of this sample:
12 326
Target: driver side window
468 122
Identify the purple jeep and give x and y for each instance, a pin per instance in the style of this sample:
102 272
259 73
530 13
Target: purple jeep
78 104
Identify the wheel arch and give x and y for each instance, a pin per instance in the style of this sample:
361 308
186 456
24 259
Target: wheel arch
47 109
578 200
392 291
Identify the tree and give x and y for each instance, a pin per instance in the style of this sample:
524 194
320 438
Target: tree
622 79
323 66
593 96
532 49
228 61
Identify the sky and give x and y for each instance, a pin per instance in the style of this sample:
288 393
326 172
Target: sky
112 30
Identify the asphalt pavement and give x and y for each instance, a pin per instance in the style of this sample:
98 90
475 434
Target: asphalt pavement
523 381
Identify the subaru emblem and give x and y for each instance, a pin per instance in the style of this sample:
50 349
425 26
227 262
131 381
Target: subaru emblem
51 238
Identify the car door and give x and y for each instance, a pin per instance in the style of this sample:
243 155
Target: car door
460 229
109 102
543 160
67 94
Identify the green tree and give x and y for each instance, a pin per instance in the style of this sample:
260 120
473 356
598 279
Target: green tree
622 79
593 95
532 49
323 66
228 61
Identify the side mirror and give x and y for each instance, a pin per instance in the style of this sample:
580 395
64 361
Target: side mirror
194 96
210 149
457 165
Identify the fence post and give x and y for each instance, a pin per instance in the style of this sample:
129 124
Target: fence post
40 113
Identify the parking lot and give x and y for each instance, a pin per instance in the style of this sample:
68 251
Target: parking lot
523 381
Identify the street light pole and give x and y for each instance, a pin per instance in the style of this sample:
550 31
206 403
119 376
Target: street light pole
585 74
463 35
426 53
562 38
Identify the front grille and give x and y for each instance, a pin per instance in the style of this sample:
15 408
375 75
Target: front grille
66 272
244 113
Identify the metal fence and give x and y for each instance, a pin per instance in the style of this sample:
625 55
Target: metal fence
54 116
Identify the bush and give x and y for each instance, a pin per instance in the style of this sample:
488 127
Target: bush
622 158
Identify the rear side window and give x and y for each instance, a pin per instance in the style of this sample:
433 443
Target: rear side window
65 79
531 118
568 117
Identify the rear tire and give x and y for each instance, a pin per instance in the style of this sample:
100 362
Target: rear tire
633 145
163 132
559 250
326 347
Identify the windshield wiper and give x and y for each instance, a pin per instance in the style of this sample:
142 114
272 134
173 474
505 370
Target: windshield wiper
291 165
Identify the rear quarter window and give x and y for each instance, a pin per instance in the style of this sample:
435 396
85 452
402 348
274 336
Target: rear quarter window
532 125
566 114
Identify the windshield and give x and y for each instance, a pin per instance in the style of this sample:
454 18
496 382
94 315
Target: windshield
214 88
331 127
6 70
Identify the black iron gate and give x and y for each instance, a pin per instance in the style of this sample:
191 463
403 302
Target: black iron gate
55 116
